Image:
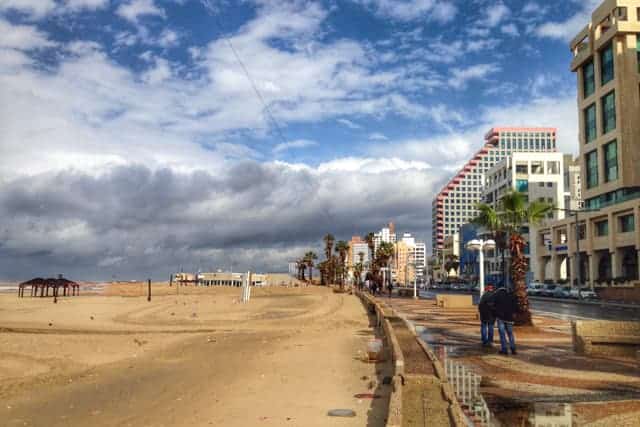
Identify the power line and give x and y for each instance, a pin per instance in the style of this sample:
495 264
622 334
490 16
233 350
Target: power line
265 106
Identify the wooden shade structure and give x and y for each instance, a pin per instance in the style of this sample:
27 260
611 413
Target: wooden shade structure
42 286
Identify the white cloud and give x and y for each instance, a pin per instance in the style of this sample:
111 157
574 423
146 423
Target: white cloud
510 29
569 28
168 38
298 143
160 72
132 10
409 10
376 136
22 37
35 9
371 165
495 14
348 123
74 5
460 77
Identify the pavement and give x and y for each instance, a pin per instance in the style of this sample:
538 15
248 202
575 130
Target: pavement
546 383
569 309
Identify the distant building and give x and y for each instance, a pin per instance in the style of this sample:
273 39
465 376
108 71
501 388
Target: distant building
356 246
455 204
386 234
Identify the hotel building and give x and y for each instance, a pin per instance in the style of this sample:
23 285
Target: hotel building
606 60
455 204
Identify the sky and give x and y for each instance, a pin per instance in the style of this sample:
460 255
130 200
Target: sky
140 137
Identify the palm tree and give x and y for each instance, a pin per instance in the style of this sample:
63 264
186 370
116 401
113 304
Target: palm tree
302 266
328 251
342 247
384 254
370 239
513 214
309 259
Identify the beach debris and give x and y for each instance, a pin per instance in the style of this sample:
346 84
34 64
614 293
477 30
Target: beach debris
173 314
387 380
367 396
209 339
194 314
341 413
139 342
91 317
372 384
50 324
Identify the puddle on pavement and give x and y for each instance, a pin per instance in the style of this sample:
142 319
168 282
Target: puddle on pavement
490 411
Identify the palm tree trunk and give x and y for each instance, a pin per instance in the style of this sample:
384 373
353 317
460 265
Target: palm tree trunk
518 273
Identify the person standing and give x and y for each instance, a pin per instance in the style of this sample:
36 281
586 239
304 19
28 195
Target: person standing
487 318
506 305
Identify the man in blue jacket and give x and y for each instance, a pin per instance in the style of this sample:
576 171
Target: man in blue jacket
505 308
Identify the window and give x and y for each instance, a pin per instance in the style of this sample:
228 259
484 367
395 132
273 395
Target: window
627 223
537 167
589 80
606 64
522 185
608 112
521 168
602 228
592 169
553 168
620 13
590 131
611 161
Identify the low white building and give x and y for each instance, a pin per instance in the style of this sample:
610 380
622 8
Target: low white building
540 177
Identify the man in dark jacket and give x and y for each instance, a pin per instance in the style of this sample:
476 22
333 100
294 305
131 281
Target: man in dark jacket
506 306
487 319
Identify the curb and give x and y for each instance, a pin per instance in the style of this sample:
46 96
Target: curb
578 302
394 412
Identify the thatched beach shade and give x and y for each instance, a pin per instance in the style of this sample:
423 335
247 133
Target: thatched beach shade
33 283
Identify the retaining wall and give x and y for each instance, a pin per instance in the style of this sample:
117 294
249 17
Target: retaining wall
606 338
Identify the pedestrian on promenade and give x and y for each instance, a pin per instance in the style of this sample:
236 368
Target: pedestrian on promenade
486 309
506 305
390 288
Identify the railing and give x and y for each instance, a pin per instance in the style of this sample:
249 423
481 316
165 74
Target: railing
467 388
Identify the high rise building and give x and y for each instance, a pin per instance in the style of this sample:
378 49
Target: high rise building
356 246
386 234
455 204
420 258
601 245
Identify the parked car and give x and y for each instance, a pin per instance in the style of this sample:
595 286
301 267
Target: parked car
584 293
562 292
534 289
548 290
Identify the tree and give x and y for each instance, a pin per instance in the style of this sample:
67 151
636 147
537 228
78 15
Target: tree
328 254
342 248
452 263
309 259
384 254
513 214
301 265
370 239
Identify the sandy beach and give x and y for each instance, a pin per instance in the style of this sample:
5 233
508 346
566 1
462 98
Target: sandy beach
198 358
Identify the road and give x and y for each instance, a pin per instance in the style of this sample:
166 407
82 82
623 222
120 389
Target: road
568 310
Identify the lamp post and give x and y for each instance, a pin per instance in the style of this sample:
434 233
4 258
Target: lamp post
481 246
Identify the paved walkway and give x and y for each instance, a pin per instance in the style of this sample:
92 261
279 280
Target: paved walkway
546 376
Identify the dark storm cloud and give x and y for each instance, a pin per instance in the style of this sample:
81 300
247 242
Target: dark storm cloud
135 221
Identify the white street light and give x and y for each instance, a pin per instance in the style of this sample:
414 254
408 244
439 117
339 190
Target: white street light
480 246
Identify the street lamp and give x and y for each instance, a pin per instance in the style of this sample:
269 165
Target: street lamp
480 246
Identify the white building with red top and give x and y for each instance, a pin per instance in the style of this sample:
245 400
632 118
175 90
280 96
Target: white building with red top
455 204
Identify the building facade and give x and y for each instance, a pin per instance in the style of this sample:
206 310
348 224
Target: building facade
540 177
602 243
455 204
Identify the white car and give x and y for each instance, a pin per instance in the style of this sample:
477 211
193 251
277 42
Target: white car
583 293
534 289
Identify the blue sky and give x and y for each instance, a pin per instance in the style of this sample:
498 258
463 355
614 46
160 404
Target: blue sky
364 108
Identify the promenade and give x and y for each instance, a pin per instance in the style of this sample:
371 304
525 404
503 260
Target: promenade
545 381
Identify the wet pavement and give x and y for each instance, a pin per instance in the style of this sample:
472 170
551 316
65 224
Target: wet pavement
546 384
567 310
